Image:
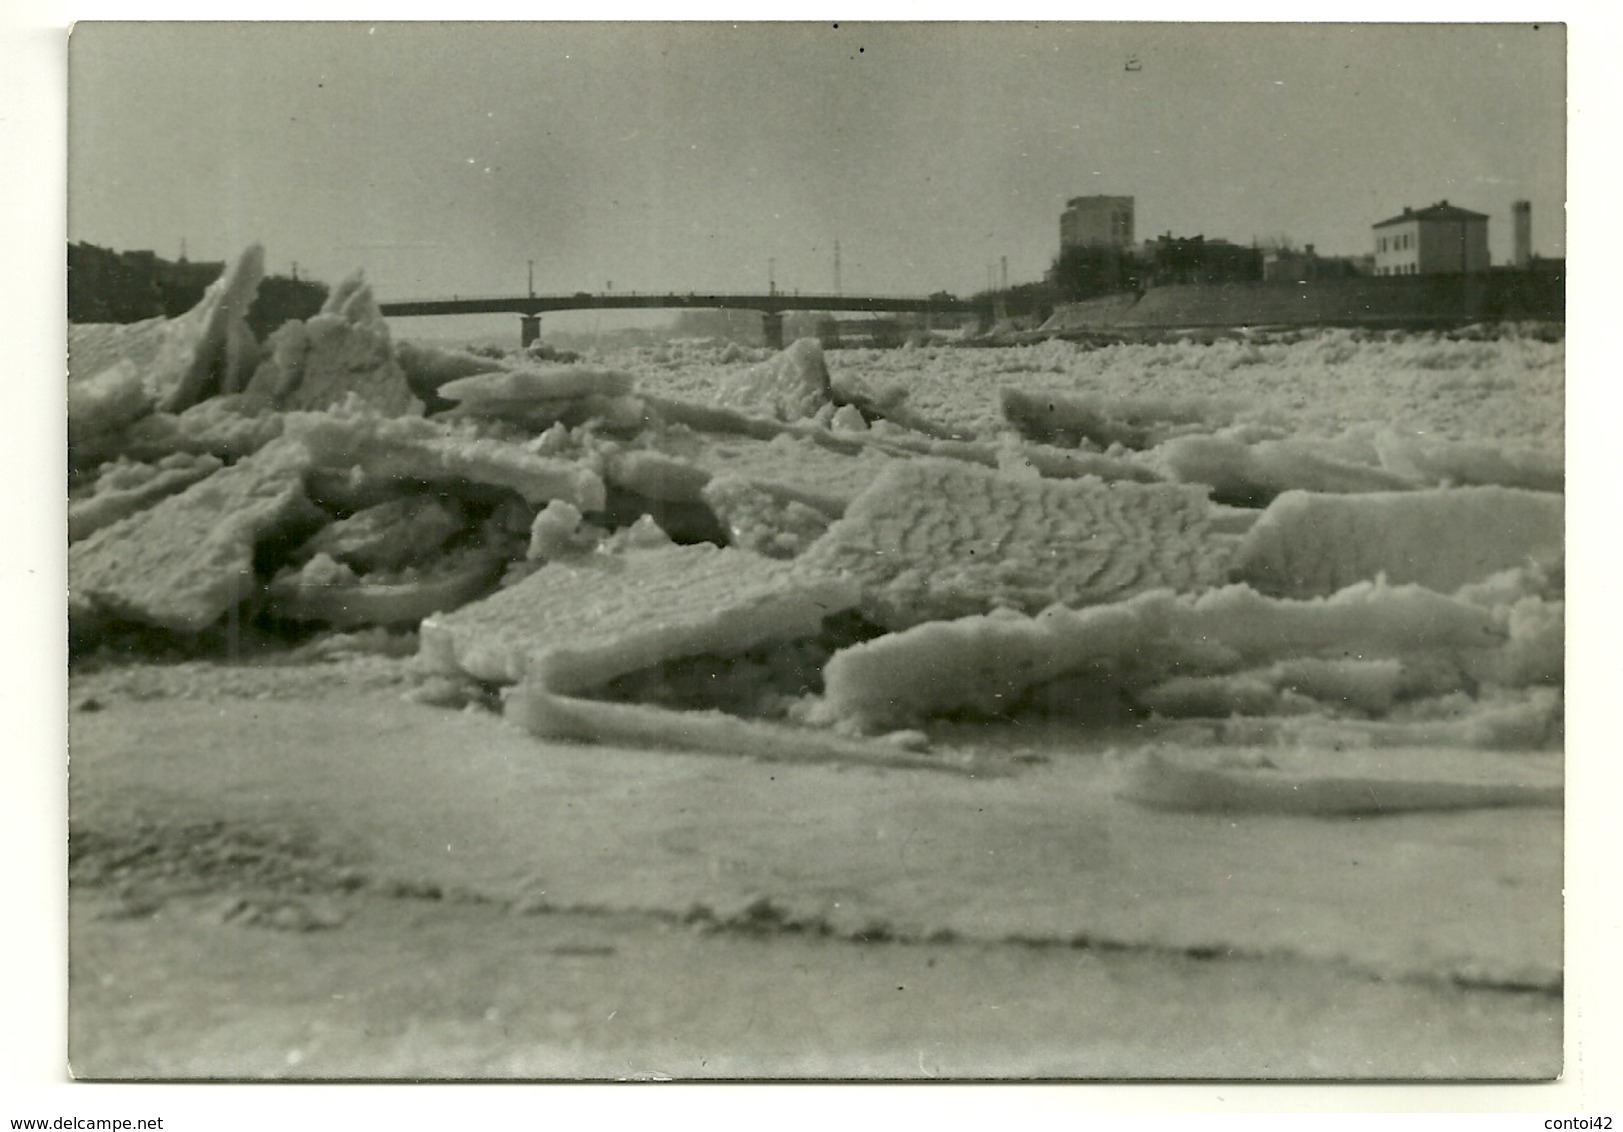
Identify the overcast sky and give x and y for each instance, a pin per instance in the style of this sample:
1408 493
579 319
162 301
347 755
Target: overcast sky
441 158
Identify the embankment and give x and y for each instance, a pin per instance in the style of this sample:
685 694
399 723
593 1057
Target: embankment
1400 301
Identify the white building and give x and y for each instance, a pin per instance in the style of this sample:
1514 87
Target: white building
1440 240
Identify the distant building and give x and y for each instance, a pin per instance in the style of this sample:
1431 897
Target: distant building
1195 259
109 286
1440 240
1287 265
1097 222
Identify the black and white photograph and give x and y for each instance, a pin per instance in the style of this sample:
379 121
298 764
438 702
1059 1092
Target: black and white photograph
816 551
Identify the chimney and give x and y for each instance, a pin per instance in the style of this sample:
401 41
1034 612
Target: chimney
1522 223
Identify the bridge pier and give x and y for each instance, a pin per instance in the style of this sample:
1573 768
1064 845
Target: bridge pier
772 329
529 328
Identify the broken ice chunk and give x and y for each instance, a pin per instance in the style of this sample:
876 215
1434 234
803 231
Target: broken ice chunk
574 626
985 663
104 404
204 349
847 418
1516 720
1254 474
758 520
797 468
791 385
1367 686
554 383
189 559
553 716
1069 418
96 347
390 535
1443 462
119 373
539 397
346 351
124 488
329 592
428 367
1067 463
227 427
1307 544
414 449
933 540
655 475
557 533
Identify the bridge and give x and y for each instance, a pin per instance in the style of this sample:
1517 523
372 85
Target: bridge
771 305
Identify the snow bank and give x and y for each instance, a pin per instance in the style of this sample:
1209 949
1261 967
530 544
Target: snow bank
1307 544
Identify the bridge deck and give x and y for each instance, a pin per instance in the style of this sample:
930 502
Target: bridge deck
766 303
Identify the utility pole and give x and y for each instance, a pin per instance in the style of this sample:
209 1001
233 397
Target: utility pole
837 267
771 276
532 279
